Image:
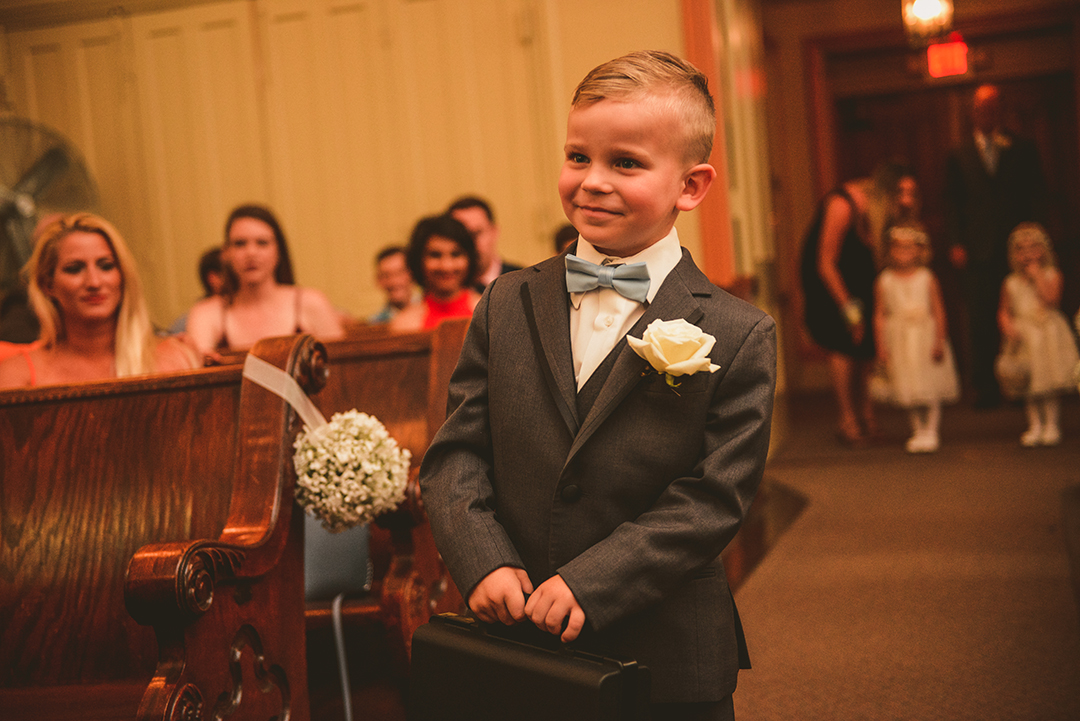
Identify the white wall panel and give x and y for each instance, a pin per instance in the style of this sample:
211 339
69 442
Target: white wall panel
76 79
350 118
381 112
195 70
300 134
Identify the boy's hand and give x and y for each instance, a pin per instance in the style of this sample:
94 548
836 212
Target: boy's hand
551 604
500 596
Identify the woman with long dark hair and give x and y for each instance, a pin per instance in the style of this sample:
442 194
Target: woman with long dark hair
260 299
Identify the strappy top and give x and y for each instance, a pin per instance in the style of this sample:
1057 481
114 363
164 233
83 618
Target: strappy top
224 343
25 353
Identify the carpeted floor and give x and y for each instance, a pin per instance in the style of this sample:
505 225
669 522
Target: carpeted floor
916 587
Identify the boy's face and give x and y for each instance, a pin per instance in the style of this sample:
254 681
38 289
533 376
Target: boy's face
626 177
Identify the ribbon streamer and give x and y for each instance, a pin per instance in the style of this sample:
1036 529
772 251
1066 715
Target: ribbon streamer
285 387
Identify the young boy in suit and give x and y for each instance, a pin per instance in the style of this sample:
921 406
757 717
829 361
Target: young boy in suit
573 486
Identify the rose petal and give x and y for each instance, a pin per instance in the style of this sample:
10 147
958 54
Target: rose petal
677 350
649 352
689 367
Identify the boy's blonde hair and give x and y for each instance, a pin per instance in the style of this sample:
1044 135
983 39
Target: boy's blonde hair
1030 232
658 74
913 231
134 334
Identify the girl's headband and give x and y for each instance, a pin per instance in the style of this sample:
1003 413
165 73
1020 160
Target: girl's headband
913 234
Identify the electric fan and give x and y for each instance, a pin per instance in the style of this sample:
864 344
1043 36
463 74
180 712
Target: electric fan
40 173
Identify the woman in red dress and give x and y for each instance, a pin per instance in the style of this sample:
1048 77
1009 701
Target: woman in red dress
442 258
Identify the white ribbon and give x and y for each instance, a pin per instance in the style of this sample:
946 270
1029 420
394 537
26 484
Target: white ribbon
285 387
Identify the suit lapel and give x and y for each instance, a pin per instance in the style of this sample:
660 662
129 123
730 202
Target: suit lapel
675 299
547 307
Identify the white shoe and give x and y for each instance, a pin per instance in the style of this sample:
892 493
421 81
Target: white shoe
1051 436
922 443
1031 438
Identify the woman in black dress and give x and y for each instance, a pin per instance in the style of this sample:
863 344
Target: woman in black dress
838 269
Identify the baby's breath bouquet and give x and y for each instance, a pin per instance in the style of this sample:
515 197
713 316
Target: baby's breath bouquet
349 471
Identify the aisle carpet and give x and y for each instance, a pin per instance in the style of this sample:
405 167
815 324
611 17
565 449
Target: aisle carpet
916 587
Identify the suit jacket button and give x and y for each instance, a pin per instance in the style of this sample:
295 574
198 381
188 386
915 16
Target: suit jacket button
570 493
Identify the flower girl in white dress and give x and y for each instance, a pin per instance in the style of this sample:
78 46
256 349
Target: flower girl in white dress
1029 314
912 337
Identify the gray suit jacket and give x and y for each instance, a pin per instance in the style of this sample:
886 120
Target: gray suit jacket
631 504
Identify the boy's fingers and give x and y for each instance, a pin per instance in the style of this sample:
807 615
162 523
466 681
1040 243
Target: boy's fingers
523 578
515 607
553 622
504 614
573 628
537 608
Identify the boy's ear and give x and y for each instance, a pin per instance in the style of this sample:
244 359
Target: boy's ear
696 184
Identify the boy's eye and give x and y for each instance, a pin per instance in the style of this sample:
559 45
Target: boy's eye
627 164
577 158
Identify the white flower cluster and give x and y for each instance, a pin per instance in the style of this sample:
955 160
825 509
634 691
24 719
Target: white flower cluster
349 471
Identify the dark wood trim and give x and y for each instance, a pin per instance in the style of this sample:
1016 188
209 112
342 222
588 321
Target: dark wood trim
818 49
132 386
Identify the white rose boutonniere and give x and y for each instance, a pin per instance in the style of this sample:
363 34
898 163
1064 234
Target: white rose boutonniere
675 348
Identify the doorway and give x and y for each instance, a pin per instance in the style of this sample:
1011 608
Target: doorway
880 104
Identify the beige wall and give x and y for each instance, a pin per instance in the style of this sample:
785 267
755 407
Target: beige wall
351 118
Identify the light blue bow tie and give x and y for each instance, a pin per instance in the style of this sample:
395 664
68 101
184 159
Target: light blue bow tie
630 281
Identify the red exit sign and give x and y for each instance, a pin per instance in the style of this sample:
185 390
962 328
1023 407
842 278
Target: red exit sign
945 59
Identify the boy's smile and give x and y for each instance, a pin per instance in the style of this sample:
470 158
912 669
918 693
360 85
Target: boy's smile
626 177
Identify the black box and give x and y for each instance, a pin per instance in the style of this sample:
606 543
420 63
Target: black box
460 671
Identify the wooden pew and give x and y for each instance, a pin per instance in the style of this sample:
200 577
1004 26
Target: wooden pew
171 497
401 379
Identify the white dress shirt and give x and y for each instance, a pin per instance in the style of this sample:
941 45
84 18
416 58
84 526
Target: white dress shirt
988 150
599 318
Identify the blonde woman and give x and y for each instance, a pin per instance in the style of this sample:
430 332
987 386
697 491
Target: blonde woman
85 291
839 264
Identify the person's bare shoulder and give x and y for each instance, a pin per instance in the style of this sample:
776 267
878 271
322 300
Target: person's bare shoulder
410 319
319 315
205 308
14 372
204 329
314 302
172 354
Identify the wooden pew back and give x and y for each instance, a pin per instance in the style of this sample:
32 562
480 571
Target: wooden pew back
89 474
401 379
170 496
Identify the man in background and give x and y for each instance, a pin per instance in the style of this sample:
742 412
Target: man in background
392 275
475 214
994 182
